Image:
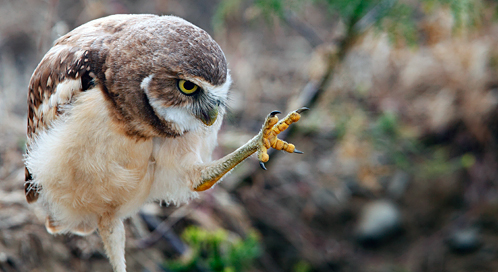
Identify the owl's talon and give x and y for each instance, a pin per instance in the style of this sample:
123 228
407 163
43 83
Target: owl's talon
273 113
303 109
298 151
268 135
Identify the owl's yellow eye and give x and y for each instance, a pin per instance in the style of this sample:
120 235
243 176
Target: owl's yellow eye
186 87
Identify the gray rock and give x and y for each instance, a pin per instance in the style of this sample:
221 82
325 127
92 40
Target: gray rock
464 240
378 220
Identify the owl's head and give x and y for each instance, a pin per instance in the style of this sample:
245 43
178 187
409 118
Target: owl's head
170 76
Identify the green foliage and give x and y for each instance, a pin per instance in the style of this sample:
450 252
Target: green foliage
438 164
399 23
373 12
397 18
217 251
467 160
410 155
387 125
341 127
271 7
466 12
386 135
351 10
225 9
301 266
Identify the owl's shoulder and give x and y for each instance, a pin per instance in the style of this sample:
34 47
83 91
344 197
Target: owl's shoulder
65 71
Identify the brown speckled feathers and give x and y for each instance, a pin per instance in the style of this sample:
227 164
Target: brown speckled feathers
44 104
115 54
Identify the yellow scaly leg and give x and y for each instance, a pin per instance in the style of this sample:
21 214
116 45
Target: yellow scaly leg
211 173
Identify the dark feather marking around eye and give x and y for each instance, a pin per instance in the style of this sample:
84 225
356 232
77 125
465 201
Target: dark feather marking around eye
204 102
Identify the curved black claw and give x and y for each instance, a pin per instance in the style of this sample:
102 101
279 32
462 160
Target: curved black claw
262 165
298 152
273 113
303 109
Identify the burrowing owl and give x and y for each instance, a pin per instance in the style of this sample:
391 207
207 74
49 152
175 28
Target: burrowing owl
125 110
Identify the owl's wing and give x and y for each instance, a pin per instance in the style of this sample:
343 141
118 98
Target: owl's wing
63 73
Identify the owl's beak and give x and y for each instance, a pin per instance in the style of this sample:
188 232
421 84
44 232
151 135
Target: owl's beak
208 117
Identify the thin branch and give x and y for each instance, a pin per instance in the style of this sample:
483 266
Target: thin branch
162 230
303 29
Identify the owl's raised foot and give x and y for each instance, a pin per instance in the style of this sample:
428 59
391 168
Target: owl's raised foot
212 172
268 135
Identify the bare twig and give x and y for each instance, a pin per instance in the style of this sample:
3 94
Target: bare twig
303 29
162 230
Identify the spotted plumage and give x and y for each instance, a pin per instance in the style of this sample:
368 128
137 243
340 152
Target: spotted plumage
62 74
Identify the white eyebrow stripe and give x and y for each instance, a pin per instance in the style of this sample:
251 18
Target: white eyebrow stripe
221 92
181 118
146 82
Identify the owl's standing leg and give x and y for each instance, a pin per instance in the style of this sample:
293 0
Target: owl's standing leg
112 233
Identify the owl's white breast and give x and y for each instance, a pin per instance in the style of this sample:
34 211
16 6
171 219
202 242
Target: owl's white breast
176 159
87 166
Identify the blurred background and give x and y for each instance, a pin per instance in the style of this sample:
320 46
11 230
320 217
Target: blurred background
400 164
